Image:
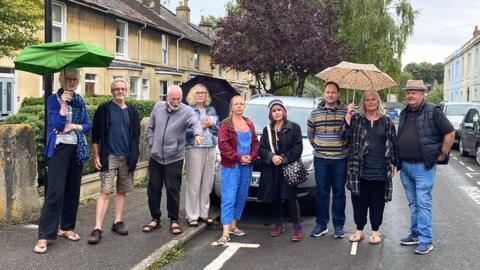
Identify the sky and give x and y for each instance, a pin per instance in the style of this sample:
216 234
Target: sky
441 27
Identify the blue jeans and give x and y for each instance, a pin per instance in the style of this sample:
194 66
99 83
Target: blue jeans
330 175
418 185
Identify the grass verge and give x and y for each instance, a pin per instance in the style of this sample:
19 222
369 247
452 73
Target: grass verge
167 257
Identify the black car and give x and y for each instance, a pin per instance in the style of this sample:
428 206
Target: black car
470 134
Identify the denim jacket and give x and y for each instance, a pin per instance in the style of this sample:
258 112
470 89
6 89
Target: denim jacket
209 134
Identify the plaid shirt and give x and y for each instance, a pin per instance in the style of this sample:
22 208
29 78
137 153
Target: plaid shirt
358 147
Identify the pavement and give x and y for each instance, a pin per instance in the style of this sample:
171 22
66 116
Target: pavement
137 250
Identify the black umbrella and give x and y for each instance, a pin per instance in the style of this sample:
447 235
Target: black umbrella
220 91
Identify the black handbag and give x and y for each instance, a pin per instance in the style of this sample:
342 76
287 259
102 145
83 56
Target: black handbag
295 172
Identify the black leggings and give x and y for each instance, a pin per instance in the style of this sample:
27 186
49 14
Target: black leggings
372 196
293 212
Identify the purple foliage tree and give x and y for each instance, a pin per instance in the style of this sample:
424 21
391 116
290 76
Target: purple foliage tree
276 39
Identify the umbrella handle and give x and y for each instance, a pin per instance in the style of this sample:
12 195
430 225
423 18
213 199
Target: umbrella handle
354 90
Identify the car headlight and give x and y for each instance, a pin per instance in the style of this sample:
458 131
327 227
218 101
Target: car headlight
308 162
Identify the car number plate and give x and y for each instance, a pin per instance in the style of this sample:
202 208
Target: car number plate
255 181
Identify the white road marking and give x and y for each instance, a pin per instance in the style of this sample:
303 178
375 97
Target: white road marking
455 158
470 169
227 254
461 162
353 251
31 226
472 174
472 192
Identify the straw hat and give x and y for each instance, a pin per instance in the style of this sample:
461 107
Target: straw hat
415 85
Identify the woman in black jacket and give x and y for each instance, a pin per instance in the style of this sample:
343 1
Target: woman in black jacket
371 163
283 147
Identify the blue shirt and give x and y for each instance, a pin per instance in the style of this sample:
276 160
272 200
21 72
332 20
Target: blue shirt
118 132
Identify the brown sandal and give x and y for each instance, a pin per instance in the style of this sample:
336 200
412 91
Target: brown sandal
175 228
223 240
70 235
151 226
40 246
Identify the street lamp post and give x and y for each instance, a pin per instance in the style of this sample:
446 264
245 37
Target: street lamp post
47 79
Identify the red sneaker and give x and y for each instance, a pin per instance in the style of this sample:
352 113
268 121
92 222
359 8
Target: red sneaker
277 230
296 236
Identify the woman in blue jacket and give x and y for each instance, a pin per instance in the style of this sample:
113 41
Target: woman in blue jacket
66 151
200 159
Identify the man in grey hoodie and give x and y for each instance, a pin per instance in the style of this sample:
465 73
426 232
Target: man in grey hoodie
165 134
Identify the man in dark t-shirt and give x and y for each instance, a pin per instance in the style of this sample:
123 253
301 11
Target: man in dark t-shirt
115 139
425 137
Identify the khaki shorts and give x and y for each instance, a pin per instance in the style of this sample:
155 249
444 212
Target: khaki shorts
118 174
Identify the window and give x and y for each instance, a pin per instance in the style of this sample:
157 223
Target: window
122 38
58 21
6 97
134 87
145 89
220 72
177 82
165 49
163 90
238 76
90 84
196 58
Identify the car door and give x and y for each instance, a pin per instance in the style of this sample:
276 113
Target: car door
468 132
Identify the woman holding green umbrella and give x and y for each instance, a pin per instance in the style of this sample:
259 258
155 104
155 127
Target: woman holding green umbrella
66 150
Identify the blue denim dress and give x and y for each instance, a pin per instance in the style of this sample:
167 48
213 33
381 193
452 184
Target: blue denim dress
236 181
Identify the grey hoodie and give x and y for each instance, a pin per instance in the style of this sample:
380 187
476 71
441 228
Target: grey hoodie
165 132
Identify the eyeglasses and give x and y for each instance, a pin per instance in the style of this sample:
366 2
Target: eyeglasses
200 93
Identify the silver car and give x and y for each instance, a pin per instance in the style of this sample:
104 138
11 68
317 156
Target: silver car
455 112
298 110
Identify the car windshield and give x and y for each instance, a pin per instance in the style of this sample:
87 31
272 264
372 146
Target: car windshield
258 114
457 110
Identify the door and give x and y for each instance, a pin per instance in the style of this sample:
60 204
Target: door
468 130
6 97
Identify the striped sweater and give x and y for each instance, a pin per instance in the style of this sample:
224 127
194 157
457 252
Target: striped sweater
325 131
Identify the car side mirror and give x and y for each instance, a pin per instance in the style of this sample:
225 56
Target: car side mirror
468 125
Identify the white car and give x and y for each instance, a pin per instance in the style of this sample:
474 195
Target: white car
298 110
455 112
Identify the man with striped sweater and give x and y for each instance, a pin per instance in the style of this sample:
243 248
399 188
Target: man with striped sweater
330 150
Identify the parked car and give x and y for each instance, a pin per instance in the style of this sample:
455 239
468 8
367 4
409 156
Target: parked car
455 112
470 134
299 110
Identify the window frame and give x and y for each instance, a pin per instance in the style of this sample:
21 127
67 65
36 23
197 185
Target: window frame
164 49
125 39
63 24
134 95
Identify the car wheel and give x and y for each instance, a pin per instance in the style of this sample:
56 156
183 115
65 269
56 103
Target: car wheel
477 154
461 149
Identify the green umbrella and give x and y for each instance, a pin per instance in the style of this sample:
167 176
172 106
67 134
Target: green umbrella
48 58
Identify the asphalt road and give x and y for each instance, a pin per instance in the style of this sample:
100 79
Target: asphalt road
456 231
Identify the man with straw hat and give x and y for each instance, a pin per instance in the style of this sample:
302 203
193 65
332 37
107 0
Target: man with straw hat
425 137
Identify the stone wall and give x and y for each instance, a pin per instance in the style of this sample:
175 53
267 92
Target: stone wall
19 200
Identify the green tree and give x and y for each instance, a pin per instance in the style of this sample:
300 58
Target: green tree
377 30
436 95
20 21
427 72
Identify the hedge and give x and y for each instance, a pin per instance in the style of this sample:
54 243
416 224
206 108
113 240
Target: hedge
31 113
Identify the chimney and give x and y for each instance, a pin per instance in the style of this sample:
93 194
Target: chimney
476 31
183 11
206 27
153 4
